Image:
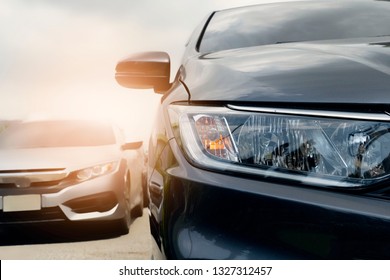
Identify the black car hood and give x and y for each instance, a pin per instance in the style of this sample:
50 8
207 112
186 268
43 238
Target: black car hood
353 71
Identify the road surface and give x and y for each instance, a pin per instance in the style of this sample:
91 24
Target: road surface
136 245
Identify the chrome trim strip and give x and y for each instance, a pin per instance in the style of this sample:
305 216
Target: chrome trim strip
84 216
314 113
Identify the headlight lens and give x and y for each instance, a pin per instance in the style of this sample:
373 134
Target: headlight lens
95 171
327 151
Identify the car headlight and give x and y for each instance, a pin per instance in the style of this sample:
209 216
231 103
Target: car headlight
95 171
327 149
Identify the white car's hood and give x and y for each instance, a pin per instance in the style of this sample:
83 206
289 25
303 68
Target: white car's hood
69 158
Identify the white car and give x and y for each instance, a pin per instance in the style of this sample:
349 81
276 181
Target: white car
69 170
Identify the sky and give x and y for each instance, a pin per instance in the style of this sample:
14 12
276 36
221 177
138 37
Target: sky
58 58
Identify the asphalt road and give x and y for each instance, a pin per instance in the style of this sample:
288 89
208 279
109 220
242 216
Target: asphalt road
29 243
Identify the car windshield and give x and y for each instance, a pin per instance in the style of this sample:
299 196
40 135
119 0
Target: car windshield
23 135
297 22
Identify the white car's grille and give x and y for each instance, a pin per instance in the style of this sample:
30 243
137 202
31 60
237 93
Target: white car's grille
30 178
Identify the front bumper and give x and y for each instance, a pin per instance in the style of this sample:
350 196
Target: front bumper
207 215
100 198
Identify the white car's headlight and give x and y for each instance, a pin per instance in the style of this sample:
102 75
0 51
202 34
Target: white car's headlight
309 147
95 171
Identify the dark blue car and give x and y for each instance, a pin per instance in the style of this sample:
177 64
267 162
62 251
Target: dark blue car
273 139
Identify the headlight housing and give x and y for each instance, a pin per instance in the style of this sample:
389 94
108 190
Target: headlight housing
94 171
326 149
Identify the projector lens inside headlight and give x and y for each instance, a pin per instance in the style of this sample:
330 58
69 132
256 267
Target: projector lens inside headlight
348 151
95 171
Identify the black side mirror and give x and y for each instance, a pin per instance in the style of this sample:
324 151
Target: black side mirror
145 70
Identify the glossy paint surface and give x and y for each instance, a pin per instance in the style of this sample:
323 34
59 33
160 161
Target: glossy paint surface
201 214
341 71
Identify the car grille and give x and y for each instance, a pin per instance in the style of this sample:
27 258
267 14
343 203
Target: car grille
34 184
10 179
7 185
